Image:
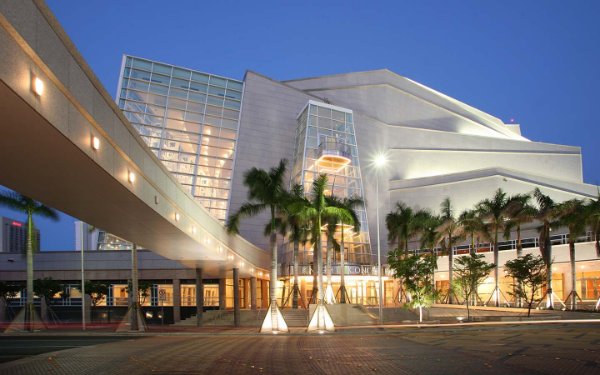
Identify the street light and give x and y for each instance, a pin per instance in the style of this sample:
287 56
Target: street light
380 161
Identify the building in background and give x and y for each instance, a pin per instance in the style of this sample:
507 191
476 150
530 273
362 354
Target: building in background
13 236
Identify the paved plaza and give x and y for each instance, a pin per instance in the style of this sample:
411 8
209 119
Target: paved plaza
560 348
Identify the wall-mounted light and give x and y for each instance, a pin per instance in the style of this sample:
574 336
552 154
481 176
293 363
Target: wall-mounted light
95 142
177 217
193 230
37 85
131 177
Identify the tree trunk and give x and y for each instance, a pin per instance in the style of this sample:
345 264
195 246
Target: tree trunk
29 308
320 291
548 247
420 314
329 255
519 244
295 290
496 269
342 270
273 279
450 270
573 275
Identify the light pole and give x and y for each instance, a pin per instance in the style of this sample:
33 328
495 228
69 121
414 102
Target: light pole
380 161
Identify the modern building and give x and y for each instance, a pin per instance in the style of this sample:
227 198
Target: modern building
13 236
209 130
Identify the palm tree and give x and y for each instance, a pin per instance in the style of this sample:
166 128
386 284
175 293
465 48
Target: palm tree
400 224
518 212
426 225
593 219
448 232
315 212
348 216
331 222
493 212
547 214
27 205
473 226
265 192
298 230
572 215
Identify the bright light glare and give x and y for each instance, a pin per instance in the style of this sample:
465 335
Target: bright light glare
131 177
380 160
95 143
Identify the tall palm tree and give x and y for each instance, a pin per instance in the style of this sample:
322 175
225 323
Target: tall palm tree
315 212
572 215
426 225
330 222
298 230
400 224
593 219
493 212
518 212
265 192
348 216
547 214
474 227
30 207
448 233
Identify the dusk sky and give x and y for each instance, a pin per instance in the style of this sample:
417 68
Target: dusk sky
536 62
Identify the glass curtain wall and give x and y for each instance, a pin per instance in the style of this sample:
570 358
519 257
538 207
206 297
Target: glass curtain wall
190 121
326 144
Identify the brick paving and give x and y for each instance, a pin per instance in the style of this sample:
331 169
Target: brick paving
525 349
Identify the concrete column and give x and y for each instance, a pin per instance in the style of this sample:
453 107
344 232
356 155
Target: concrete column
253 293
176 300
199 297
236 297
222 294
134 306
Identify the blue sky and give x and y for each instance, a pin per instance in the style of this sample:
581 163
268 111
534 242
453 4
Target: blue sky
534 61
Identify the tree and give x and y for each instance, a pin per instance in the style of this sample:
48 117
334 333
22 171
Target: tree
349 205
400 224
315 212
471 270
529 273
416 273
46 288
96 290
30 207
426 225
265 192
493 213
473 226
518 212
572 214
448 233
144 290
548 215
593 219
298 230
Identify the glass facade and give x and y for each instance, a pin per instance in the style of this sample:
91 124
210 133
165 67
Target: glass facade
190 121
326 144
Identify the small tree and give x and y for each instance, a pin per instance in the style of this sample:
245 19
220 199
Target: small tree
96 290
416 273
46 288
470 271
144 288
529 273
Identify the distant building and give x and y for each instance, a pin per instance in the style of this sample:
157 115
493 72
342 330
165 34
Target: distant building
13 236
89 237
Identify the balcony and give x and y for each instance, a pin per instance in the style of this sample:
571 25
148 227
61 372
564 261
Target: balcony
333 155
